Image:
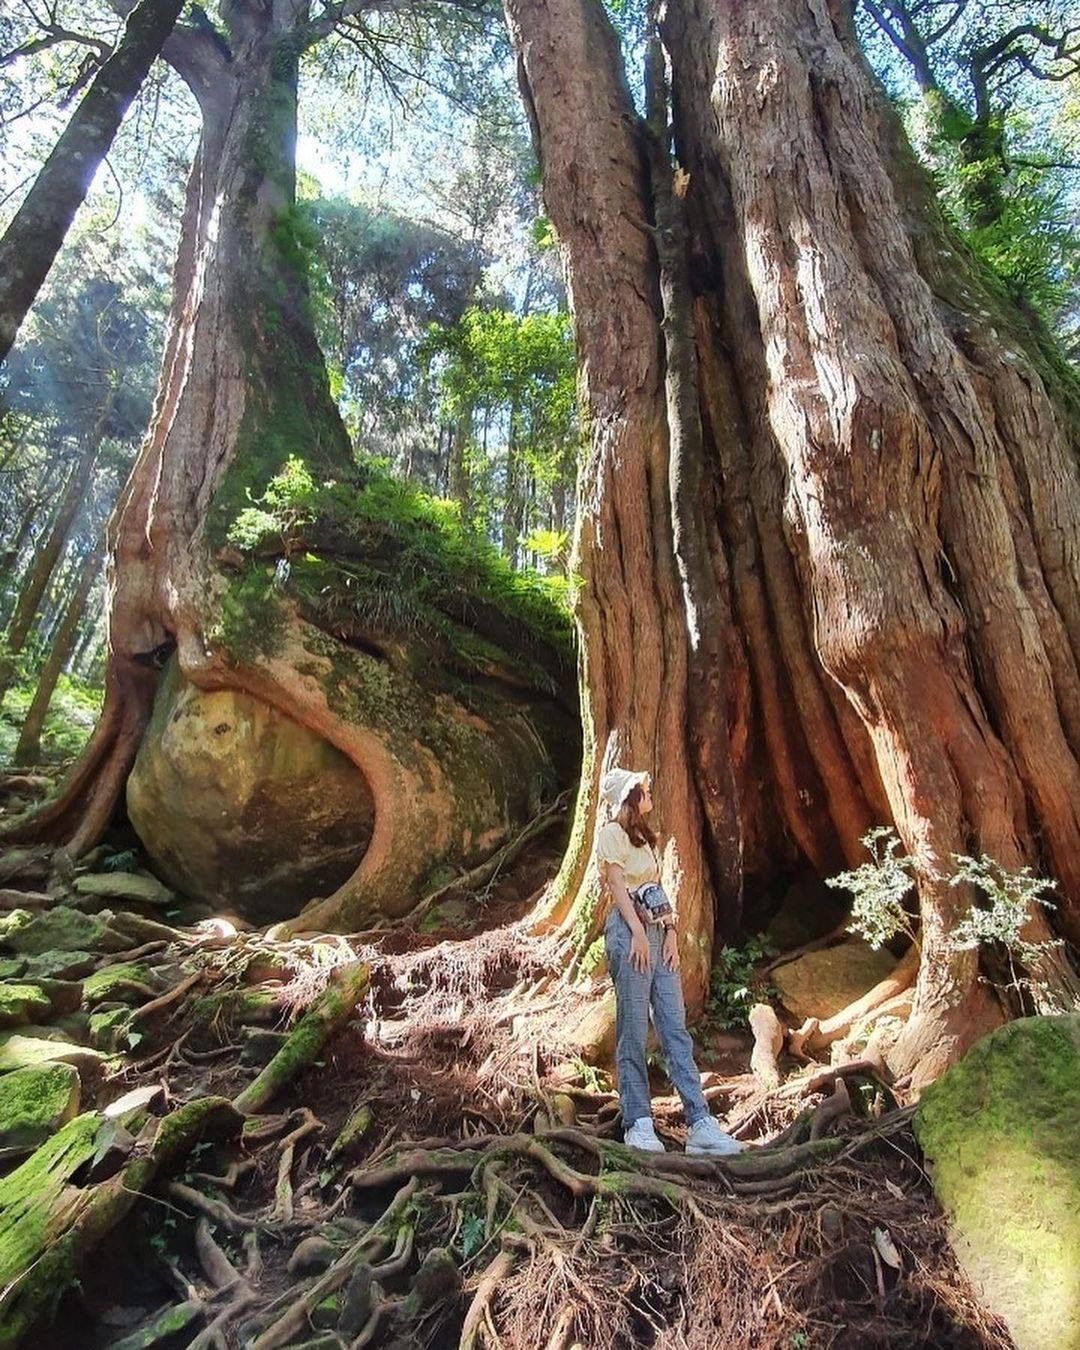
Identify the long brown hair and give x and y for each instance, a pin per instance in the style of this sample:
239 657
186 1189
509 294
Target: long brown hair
633 822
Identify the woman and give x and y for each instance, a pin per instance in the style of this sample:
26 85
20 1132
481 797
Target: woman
642 945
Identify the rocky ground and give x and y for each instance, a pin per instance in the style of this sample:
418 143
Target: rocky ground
219 1137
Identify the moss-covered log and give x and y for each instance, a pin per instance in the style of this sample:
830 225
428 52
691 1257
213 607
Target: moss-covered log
49 1222
327 1015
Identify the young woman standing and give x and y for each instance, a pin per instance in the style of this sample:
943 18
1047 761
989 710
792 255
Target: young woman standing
642 946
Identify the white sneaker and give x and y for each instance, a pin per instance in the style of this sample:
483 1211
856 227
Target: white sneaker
642 1134
706 1136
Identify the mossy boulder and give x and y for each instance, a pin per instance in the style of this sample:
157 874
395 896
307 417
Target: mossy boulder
240 806
61 929
21 1004
126 982
20 1051
821 984
35 1102
1001 1133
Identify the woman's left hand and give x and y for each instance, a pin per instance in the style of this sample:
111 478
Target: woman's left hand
671 949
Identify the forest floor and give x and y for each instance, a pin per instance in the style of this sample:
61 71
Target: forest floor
407 1153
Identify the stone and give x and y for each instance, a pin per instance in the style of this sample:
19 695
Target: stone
109 1030
821 984
137 1100
35 1102
138 887
261 1045
60 965
21 1004
1001 1134
238 805
61 929
126 982
19 1050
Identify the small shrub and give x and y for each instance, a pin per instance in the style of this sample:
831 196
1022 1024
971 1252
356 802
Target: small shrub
879 889
734 986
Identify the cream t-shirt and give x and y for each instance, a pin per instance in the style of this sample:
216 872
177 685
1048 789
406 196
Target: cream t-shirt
638 862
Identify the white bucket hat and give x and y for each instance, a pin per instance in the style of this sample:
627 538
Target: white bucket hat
616 784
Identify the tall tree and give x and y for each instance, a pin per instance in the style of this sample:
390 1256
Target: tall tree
31 242
894 506
244 415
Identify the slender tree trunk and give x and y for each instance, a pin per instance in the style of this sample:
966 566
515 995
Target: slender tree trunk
33 239
513 493
28 748
46 558
461 432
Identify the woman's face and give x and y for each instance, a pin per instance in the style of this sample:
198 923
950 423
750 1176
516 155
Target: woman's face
645 806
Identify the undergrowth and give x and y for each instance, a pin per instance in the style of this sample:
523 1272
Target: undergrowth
69 722
735 986
392 556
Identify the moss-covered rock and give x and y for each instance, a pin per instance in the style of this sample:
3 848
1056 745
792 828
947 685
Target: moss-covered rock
126 982
139 888
109 1030
60 965
61 929
36 1102
1001 1132
21 1004
19 1051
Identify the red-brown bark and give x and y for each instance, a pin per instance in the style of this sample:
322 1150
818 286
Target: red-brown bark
891 461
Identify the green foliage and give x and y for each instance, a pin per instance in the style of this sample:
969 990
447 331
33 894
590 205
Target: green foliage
251 615
1009 898
734 985
69 722
439 565
1004 901
879 889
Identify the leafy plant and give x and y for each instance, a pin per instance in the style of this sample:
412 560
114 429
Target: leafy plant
879 889
734 985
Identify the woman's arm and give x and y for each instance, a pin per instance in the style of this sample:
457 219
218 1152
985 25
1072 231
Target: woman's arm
639 943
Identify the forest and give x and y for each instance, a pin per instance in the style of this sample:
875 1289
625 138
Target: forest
539 564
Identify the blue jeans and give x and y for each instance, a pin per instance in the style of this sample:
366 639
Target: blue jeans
635 993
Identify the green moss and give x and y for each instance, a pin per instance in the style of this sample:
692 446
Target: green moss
129 982
252 615
1001 1131
353 1131
34 1102
58 929
21 1004
109 1030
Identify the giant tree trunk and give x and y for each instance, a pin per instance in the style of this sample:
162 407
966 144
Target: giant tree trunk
630 606
888 454
33 239
243 392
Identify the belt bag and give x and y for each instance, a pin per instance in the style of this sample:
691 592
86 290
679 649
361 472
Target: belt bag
651 902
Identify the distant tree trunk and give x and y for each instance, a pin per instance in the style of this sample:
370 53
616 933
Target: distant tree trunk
881 514
46 558
33 239
28 748
514 491
461 431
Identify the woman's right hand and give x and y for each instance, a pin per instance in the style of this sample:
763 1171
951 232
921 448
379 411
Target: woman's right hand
639 949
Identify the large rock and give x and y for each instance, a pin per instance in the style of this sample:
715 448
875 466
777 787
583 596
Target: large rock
137 887
823 983
241 807
35 1102
1001 1133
